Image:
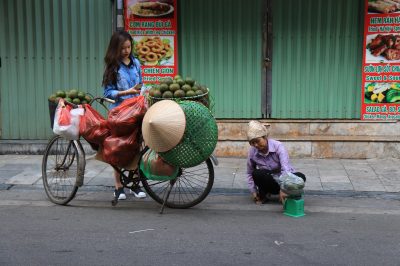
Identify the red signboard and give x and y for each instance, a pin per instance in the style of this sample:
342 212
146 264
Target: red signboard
153 26
381 61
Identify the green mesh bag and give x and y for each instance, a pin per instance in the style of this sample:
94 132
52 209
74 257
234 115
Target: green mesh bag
198 141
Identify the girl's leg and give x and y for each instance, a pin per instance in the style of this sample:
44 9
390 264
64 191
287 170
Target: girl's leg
118 183
265 182
119 188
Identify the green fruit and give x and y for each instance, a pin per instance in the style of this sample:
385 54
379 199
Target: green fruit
179 94
88 98
68 99
167 80
177 77
157 94
81 95
186 87
174 87
195 87
60 93
181 82
167 94
83 102
190 93
199 92
72 94
163 87
204 88
76 101
189 81
52 98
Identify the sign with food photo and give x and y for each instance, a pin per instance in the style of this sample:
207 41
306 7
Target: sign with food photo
153 26
381 61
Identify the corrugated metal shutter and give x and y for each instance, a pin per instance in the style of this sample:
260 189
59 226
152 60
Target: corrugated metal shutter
47 45
220 44
317 53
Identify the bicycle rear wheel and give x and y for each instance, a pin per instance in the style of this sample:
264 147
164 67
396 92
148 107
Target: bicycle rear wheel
60 170
190 187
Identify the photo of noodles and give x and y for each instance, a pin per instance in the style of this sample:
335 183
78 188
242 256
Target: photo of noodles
152 51
151 9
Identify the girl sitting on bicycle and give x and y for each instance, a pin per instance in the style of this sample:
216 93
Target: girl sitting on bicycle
122 79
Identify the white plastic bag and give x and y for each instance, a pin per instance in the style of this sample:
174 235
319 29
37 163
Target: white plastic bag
292 184
69 128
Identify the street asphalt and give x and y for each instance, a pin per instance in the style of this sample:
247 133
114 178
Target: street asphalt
324 176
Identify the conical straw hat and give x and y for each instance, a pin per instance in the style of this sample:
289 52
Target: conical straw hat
163 125
257 130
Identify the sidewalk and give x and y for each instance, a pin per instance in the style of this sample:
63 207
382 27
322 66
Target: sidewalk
323 175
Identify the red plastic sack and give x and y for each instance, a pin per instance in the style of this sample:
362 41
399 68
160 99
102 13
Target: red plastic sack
124 118
120 151
93 127
66 121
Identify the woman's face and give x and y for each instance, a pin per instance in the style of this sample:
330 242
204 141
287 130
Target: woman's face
260 144
126 49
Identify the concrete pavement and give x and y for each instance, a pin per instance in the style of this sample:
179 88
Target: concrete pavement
324 176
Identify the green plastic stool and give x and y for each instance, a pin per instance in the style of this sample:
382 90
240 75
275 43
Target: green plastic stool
294 207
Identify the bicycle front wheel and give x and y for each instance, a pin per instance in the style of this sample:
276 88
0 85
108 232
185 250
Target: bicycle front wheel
189 189
60 170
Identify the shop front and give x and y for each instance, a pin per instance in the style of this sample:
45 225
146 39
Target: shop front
297 66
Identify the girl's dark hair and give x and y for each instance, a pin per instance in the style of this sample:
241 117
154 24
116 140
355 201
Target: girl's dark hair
113 56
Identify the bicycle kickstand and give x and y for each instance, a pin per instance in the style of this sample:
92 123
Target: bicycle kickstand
114 202
166 197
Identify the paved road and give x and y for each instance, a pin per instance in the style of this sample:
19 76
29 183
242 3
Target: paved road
223 230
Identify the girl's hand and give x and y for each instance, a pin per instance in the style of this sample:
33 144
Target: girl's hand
129 92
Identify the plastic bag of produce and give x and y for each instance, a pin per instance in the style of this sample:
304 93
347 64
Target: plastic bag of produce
121 150
124 118
66 121
93 127
291 184
155 168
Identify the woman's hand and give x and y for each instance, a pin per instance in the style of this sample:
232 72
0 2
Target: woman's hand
282 196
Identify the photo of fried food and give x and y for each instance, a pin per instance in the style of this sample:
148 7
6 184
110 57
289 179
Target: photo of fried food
153 51
151 9
386 46
383 6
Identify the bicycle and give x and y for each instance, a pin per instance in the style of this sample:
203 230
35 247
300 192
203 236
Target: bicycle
63 169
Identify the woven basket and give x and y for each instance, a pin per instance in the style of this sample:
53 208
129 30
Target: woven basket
202 98
199 139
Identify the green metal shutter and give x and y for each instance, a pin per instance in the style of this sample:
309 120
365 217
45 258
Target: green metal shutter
316 59
220 44
47 45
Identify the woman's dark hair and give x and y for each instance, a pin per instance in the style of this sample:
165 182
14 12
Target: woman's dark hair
113 56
